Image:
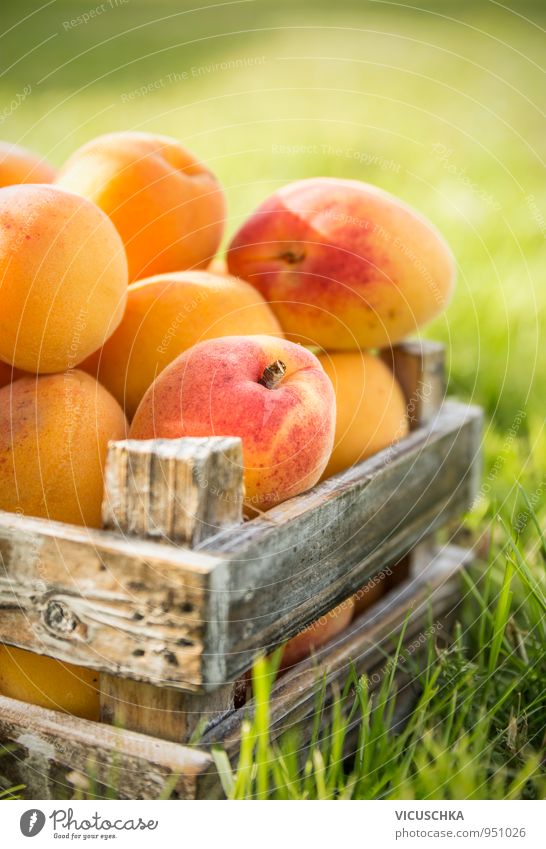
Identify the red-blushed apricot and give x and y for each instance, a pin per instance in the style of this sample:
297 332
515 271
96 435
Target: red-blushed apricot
270 392
18 165
371 408
167 206
166 315
317 633
343 264
49 683
63 278
54 434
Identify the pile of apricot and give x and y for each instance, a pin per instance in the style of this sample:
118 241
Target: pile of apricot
117 317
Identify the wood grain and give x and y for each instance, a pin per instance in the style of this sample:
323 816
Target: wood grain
124 606
419 367
161 711
59 750
131 765
178 491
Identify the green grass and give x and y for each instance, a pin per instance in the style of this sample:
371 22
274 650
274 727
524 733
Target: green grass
442 104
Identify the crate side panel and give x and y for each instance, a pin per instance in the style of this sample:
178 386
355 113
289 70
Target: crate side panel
432 597
57 750
131 608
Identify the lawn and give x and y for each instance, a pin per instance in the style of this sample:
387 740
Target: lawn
442 105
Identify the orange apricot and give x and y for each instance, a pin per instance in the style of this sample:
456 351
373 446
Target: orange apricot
54 434
49 683
317 633
63 274
167 206
18 165
371 409
344 264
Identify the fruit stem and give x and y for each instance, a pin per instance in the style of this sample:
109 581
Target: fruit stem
291 257
273 374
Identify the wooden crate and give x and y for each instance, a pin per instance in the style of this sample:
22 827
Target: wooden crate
174 599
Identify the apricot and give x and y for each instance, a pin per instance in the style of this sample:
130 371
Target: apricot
367 595
18 165
63 278
166 315
317 634
167 206
371 408
344 264
270 392
49 683
6 374
54 434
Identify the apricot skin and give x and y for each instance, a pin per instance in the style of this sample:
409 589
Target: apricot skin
49 683
63 276
317 634
367 595
344 264
370 407
167 206
6 374
166 315
18 165
54 433
213 389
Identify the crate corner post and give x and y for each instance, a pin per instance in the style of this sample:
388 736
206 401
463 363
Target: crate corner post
179 492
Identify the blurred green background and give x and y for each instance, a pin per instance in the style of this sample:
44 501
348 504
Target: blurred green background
442 105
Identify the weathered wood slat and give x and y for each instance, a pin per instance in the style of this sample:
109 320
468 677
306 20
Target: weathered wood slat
305 556
178 491
419 367
132 765
161 711
432 597
54 745
124 606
